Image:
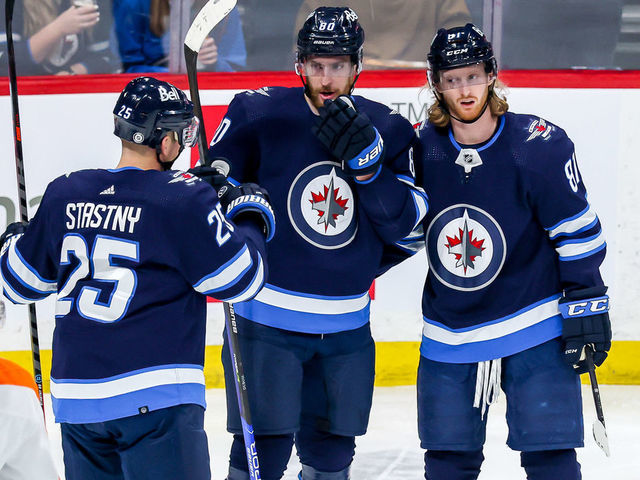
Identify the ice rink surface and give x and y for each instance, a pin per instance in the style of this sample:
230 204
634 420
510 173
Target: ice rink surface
390 449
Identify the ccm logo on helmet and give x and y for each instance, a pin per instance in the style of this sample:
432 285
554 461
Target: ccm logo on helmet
457 51
372 154
168 94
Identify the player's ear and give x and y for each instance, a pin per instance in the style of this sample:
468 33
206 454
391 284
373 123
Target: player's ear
167 142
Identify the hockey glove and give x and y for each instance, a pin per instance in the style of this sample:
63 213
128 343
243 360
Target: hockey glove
251 201
585 321
215 175
350 137
15 228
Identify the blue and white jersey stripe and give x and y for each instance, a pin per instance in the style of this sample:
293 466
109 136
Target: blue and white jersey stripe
22 283
580 248
574 225
301 312
504 336
103 399
227 275
254 286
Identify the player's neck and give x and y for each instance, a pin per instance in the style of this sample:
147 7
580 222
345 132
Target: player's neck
476 132
145 160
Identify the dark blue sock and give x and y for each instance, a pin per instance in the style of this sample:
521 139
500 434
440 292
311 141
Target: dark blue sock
324 451
551 465
274 452
448 465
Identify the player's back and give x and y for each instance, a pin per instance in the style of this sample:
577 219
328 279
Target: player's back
121 250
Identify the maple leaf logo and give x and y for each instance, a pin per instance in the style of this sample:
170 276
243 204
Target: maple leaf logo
465 247
329 205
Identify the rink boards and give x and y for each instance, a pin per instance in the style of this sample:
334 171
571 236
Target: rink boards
67 125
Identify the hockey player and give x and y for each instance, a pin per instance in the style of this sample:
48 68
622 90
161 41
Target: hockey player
339 171
513 294
131 253
24 446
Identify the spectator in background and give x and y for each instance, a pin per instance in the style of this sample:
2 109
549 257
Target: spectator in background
24 445
560 34
268 25
69 36
142 31
397 30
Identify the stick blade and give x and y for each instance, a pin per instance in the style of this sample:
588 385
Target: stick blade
208 17
600 436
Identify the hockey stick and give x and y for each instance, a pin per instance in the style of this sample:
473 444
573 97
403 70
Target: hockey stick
210 15
22 191
599 429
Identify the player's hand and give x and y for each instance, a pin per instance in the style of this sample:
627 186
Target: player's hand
211 175
350 137
15 228
208 53
250 201
76 19
585 322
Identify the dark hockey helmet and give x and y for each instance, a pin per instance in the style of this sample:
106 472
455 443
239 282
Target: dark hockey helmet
331 31
148 109
459 47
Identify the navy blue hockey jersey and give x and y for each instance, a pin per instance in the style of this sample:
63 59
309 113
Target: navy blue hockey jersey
331 230
509 227
130 254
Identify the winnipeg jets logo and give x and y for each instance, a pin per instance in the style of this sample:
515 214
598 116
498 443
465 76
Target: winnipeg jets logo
320 206
466 247
329 204
539 128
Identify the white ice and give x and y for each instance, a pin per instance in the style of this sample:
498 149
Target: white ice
390 450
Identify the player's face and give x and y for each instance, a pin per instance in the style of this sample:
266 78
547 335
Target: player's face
328 77
465 90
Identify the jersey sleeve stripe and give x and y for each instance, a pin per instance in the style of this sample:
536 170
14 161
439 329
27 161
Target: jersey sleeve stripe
254 287
422 206
588 253
26 274
580 248
573 224
227 275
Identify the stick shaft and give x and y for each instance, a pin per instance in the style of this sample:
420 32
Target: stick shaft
22 191
595 390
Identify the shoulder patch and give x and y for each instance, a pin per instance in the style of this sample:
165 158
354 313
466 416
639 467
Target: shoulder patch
539 128
186 177
260 91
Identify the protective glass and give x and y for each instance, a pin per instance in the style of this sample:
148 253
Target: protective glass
463 77
189 135
326 68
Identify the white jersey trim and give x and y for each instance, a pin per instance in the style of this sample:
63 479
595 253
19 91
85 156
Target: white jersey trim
495 330
255 286
100 388
27 274
315 304
573 224
580 248
227 274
